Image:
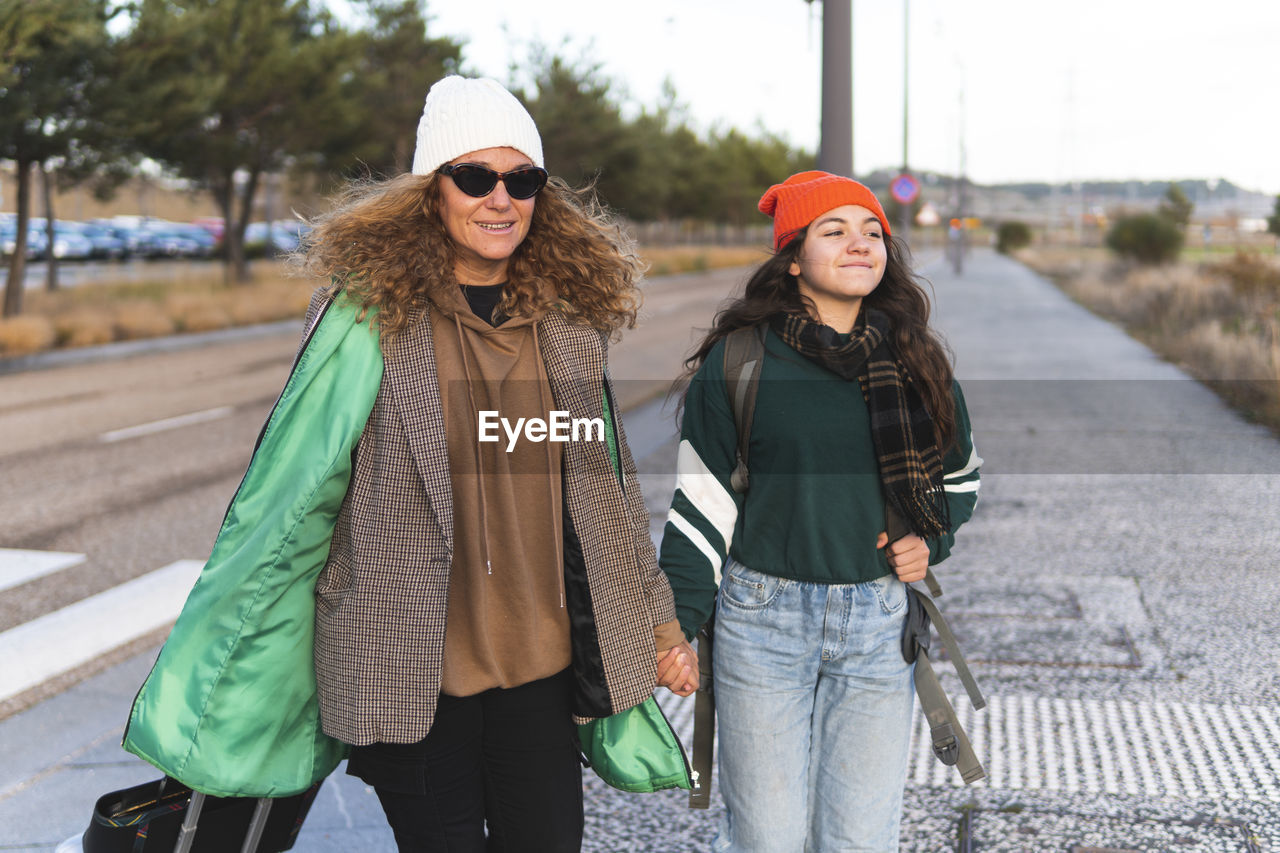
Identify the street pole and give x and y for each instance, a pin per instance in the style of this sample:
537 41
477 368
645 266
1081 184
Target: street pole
962 202
906 32
835 150
906 169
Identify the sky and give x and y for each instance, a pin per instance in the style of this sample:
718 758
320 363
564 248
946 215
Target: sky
1035 90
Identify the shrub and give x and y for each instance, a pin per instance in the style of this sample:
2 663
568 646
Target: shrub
1250 274
1176 207
141 319
83 328
23 335
196 312
1011 236
1146 238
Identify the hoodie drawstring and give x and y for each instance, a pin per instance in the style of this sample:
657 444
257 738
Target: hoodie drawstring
471 399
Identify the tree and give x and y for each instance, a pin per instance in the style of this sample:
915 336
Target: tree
672 178
743 168
1146 238
1176 207
654 166
1273 221
52 54
227 91
1012 235
584 136
397 63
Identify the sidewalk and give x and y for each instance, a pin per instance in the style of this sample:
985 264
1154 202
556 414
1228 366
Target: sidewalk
1116 592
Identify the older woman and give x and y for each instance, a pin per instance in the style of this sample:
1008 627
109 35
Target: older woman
483 575
480 594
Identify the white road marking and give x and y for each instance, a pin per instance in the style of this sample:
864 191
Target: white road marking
1182 750
166 424
18 567
64 639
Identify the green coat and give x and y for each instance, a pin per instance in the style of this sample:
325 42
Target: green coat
230 707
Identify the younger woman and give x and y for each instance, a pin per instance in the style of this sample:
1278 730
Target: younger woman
857 414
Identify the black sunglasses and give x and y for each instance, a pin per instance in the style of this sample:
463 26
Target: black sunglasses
479 181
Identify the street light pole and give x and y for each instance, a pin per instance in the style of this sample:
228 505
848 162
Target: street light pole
906 79
835 150
906 32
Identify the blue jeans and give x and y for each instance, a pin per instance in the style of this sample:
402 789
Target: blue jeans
814 705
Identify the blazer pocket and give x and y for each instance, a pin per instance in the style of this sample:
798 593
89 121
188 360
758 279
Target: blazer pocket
332 586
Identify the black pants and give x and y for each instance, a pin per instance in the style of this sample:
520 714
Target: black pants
505 759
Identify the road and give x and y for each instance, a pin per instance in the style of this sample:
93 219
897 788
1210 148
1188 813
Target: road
1116 590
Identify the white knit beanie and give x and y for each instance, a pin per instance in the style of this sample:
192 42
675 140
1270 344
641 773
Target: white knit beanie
464 114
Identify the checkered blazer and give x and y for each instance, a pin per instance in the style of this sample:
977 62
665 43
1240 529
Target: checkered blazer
381 599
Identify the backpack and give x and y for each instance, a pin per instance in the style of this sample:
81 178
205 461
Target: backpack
743 360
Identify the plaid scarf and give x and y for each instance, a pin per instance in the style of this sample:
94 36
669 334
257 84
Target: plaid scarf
901 427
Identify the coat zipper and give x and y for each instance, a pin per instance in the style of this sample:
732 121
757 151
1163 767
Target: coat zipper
688 770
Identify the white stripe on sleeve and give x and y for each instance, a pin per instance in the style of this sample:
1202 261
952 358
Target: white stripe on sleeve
695 536
969 467
704 491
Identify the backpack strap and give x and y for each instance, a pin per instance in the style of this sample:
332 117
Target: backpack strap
743 357
950 743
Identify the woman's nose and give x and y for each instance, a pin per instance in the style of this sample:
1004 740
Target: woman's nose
498 199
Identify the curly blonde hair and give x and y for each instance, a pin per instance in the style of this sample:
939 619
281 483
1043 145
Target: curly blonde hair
386 245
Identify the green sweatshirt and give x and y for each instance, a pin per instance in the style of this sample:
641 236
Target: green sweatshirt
814 507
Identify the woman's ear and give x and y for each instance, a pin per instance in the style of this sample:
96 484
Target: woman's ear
794 270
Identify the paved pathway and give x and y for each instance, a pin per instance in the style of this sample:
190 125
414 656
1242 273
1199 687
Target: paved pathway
1116 592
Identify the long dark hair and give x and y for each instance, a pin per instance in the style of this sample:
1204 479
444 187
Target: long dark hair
901 295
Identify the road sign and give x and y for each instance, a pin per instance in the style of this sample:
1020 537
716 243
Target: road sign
904 188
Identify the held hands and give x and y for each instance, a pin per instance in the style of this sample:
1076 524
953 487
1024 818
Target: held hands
678 669
908 557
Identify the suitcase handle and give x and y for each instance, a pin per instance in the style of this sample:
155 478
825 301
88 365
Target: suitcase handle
187 834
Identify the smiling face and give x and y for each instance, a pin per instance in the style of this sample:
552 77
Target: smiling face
485 231
841 261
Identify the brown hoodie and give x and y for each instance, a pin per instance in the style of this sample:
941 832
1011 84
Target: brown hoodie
507 623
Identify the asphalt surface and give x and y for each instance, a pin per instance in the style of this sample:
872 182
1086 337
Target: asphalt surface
1116 594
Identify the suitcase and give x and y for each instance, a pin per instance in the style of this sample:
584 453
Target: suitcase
165 815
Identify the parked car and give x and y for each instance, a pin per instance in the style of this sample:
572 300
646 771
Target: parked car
37 242
159 241
215 225
259 236
207 240
69 242
71 245
127 232
106 245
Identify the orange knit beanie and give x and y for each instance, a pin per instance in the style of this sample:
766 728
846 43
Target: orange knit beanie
805 196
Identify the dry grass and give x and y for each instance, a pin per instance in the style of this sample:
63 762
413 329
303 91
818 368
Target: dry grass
83 328
1219 320
196 300
141 319
668 260
24 335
